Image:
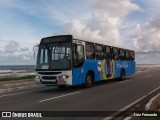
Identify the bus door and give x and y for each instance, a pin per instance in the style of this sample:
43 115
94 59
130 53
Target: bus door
108 62
78 60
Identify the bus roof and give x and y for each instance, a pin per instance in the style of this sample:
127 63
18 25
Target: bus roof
104 44
43 40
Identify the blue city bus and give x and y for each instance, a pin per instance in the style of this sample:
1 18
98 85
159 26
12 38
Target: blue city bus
63 61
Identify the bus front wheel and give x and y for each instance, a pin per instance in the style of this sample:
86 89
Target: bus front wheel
88 80
122 77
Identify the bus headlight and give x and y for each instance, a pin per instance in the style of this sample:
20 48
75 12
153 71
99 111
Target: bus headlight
63 76
37 77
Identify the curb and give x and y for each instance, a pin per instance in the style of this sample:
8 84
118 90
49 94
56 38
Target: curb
17 88
6 87
16 84
148 105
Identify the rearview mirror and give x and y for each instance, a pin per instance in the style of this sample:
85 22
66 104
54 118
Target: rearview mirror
35 50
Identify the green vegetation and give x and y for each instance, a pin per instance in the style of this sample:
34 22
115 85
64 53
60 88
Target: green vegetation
11 78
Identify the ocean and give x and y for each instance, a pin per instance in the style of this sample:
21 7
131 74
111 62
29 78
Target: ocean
19 70
148 65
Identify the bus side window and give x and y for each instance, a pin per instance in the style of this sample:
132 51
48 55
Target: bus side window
80 52
78 55
132 55
115 53
108 52
121 54
90 51
99 52
127 55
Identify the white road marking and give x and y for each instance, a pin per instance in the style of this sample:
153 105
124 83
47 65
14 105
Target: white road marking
22 92
60 96
148 76
137 72
131 104
127 118
124 81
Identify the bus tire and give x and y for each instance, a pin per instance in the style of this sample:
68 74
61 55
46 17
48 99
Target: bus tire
61 86
88 80
122 76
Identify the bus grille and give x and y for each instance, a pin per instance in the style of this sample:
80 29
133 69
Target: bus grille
49 77
51 83
49 73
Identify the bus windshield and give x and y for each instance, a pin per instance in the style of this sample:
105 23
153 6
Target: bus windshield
55 56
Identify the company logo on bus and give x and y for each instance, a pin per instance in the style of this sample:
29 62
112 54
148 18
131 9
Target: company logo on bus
99 66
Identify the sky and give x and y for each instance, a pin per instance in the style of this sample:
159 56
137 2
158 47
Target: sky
132 24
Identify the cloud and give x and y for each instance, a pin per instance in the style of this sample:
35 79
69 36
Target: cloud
105 23
146 37
13 53
146 41
17 58
102 21
81 30
151 58
13 46
27 7
115 8
55 11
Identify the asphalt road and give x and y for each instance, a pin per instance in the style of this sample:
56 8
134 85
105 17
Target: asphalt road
110 95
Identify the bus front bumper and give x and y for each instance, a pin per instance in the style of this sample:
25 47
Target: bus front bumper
54 82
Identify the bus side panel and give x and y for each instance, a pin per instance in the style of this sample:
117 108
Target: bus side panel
77 76
118 66
129 67
79 73
132 67
130 70
95 66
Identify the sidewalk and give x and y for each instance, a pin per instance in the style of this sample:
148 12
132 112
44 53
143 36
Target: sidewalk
16 84
153 104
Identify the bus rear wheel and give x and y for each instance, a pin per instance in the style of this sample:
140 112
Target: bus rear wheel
89 80
122 77
61 86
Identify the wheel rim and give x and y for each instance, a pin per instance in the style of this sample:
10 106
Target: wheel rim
89 80
123 77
